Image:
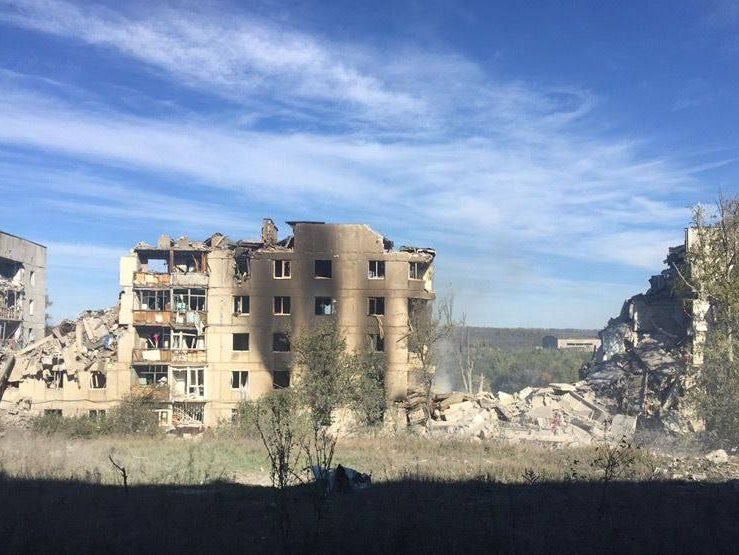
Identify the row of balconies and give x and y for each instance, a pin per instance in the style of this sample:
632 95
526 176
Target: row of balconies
162 317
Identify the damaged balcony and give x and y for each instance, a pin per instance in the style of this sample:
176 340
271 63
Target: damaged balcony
179 263
11 300
420 271
164 344
165 383
177 307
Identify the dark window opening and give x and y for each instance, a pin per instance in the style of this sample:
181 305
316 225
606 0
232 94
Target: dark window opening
240 379
377 342
241 304
152 374
417 270
376 269
281 379
324 306
280 342
282 305
54 379
282 269
323 269
376 306
57 413
241 342
98 380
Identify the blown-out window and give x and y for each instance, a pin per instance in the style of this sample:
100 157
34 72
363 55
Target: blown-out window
281 269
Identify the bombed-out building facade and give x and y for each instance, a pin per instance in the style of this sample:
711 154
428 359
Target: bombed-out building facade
203 325
22 291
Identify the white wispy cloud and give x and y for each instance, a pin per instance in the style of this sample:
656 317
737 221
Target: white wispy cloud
426 138
512 185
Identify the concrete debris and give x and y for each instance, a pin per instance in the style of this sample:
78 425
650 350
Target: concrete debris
566 414
84 345
643 367
719 456
639 376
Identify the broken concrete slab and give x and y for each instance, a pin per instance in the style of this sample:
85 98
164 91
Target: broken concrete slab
719 456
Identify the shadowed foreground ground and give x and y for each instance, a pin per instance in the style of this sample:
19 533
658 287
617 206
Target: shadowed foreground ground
38 516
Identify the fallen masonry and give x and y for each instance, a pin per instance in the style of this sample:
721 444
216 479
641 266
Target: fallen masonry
78 350
565 414
639 376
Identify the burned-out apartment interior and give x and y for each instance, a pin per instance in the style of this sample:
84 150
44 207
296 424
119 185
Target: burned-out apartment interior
202 325
22 291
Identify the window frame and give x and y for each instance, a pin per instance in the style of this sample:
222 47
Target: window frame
192 297
236 377
419 276
239 305
379 264
330 268
96 373
375 301
281 300
160 298
157 372
285 268
330 304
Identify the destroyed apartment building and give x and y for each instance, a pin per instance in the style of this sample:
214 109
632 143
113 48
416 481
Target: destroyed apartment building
22 291
639 376
201 326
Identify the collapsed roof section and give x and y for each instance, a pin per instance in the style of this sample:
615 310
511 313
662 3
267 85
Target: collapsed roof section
174 249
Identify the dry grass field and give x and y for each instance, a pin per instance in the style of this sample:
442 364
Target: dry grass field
227 458
211 494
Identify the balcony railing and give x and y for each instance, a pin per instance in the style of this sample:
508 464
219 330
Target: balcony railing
190 279
190 318
150 279
169 355
11 312
164 393
154 280
150 392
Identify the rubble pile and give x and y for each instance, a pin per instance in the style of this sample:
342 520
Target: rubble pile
642 366
84 345
567 414
642 370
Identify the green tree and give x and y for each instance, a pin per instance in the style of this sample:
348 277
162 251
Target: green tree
712 280
426 330
325 370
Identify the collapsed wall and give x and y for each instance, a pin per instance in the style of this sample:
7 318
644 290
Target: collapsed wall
639 375
647 351
78 354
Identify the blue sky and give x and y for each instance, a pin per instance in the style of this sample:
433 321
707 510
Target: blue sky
549 151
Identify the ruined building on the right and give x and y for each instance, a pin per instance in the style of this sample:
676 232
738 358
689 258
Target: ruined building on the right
648 351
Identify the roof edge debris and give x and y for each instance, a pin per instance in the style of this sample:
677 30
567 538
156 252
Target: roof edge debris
220 241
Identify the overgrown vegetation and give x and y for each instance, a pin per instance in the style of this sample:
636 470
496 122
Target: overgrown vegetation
713 280
132 416
427 328
512 370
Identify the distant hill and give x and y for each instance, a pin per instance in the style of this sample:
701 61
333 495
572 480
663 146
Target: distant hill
512 339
